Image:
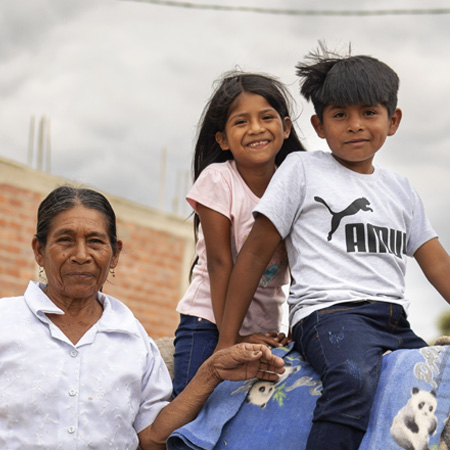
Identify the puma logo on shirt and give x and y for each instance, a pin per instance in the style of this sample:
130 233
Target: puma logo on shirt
363 237
360 204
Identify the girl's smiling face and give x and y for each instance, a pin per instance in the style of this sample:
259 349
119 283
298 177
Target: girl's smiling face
77 256
355 133
254 131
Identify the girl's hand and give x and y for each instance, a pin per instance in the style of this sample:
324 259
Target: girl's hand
281 338
270 339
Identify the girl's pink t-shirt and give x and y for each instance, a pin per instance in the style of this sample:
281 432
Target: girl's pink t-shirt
221 188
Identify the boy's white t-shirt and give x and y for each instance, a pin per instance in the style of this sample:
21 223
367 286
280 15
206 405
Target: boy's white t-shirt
221 188
347 234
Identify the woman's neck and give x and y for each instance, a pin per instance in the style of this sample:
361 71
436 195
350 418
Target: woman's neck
79 316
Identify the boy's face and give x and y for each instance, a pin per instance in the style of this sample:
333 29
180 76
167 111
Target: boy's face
355 133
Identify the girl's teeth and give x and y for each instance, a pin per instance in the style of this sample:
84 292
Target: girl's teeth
255 144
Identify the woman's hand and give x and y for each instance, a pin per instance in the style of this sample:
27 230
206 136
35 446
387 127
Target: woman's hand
239 362
243 361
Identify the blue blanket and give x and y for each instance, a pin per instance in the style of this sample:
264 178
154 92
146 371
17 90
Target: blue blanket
410 408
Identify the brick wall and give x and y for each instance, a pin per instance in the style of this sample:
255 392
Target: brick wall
17 226
153 268
150 273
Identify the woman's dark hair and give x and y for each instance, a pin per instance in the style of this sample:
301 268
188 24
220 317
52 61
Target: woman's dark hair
66 197
216 112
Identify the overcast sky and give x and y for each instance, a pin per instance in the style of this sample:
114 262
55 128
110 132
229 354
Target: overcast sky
122 80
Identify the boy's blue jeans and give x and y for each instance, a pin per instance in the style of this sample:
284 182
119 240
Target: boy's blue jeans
195 340
344 344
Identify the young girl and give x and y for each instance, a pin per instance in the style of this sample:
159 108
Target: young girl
245 133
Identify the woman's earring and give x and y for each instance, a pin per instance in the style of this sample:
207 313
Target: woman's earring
113 273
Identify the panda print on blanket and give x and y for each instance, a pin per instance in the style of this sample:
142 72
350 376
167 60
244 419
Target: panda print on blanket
416 421
262 391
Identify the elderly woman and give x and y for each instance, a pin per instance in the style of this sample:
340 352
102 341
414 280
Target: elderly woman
77 370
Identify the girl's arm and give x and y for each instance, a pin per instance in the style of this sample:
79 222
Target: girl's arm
435 264
250 265
217 231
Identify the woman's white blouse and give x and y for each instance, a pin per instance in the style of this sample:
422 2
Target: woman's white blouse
97 394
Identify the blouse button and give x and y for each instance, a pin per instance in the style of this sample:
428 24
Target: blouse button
73 353
72 392
71 429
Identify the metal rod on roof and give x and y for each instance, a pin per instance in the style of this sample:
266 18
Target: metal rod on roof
41 143
162 178
47 146
31 141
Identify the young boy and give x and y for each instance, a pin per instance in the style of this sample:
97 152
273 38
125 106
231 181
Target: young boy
348 226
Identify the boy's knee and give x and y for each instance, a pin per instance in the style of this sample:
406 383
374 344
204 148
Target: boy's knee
355 380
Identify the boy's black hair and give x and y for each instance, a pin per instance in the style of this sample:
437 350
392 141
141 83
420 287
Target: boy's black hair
350 80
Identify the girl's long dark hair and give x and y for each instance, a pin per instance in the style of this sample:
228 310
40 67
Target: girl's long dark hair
215 115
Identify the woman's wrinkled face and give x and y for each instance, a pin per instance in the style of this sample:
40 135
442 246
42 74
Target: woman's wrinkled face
77 256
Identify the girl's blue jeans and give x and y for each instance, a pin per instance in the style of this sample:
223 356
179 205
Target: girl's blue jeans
195 341
344 344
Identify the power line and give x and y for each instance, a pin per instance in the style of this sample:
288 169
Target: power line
299 12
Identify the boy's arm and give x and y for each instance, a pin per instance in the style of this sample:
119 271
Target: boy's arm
250 265
435 264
